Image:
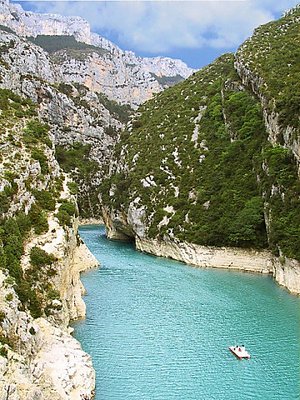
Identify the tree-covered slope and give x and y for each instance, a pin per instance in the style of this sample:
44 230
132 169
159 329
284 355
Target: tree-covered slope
199 162
39 279
31 185
272 56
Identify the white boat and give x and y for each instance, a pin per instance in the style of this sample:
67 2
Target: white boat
239 351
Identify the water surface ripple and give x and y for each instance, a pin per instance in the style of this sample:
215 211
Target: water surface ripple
160 330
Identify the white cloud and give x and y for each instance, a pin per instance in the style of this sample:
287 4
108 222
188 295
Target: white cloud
162 26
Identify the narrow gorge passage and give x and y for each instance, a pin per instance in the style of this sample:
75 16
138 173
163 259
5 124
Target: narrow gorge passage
158 329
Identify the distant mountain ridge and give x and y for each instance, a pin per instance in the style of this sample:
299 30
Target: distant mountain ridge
121 75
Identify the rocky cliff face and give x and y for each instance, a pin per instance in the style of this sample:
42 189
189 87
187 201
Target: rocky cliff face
76 115
39 359
102 67
253 61
33 24
79 86
40 262
214 160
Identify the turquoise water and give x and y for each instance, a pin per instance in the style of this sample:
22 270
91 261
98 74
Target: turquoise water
160 330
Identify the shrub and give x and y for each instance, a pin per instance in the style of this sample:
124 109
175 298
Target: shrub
5 199
53 294
10 281
9 297
23 222
76 157
73 187
28 296
65 213
39 258
45 199
32 330
38 219
12 247
39 155
121 112
2 316
3 352
65 88
36 131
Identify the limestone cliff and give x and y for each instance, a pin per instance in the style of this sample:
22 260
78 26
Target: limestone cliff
102 66
40 261
76 116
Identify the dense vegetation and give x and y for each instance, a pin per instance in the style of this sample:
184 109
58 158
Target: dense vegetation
168 81
121 112
197 158
204 182
6 29
36 294
75 159
52 44
25 141
273 54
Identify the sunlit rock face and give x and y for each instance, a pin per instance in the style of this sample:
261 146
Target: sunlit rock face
121 75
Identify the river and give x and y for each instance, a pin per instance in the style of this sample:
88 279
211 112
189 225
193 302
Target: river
160 330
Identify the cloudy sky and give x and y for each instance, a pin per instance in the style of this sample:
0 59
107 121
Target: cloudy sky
195 31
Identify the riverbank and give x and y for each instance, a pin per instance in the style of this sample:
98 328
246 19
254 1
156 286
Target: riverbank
285 271
91 221
207 256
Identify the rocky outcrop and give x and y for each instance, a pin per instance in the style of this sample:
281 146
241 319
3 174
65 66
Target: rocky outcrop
58 370
276 132
61 361
26 23
82 259
111 76
91 221
207 256
38 298
42 360
117 227
73 257
287 273
79 116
